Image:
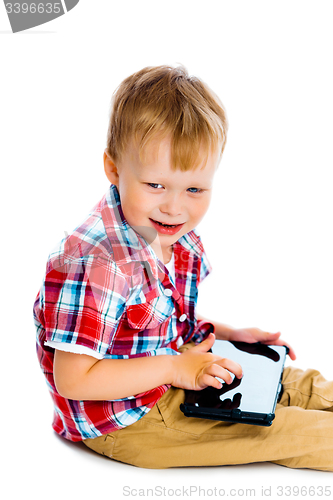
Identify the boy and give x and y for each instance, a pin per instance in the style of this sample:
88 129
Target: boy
119 296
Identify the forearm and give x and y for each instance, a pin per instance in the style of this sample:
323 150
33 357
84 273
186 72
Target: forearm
83 378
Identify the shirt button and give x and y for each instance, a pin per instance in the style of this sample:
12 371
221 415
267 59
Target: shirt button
182 318
167 292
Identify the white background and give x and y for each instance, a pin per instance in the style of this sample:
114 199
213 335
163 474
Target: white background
268 232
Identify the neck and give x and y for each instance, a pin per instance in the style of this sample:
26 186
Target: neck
167 256
164 254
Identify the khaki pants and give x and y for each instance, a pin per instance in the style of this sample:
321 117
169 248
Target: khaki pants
301 434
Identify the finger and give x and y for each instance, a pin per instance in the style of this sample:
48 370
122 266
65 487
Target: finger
216 370
206 344
291 352
269 337
207 380
223 366
231 366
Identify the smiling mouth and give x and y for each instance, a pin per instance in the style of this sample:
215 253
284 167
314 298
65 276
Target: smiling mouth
165 225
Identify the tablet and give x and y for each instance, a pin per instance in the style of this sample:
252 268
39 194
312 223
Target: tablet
249 400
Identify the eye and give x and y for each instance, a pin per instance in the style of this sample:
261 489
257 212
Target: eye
155 186
195 190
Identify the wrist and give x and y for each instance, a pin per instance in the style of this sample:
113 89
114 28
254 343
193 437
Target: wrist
223 331
172 368
166 368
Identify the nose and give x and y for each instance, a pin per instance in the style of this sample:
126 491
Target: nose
171 204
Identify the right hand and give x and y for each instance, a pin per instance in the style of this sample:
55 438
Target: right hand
196 368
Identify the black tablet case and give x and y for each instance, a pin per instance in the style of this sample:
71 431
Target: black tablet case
250 400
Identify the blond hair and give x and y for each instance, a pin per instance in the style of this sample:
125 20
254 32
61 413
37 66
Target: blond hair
163 101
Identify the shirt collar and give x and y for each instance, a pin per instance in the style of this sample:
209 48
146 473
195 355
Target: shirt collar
128 246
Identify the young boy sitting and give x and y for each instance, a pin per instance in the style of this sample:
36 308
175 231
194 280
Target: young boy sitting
118 338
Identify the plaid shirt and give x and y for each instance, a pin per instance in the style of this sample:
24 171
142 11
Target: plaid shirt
105 289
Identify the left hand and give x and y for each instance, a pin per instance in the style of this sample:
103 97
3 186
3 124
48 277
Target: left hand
252 335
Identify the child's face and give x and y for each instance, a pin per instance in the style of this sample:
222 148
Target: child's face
152 194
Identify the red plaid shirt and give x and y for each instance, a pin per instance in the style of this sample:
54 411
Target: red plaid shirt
106 290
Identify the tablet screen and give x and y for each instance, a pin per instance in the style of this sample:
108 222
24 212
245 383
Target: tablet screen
257 391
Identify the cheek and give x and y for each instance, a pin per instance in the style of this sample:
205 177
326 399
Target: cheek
129 194
137 202
199 209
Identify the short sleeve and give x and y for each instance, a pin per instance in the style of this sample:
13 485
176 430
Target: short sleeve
73 348
202 329
205 267
83 301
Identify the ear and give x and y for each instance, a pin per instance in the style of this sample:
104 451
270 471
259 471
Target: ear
110 169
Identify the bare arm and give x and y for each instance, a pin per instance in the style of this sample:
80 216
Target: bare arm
82 377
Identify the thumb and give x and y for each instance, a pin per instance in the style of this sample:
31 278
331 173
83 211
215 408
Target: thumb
206 344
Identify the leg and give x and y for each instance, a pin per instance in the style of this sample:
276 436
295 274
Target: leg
299 437
307 389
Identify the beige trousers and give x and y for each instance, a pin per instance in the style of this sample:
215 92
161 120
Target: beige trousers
301 435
